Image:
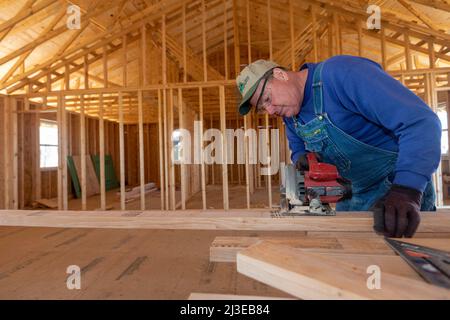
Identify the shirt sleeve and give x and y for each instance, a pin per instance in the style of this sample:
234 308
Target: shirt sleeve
296 144
369 91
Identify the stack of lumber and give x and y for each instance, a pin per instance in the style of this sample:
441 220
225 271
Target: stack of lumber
336 264
309 275
135 193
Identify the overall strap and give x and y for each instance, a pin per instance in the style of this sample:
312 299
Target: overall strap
318 89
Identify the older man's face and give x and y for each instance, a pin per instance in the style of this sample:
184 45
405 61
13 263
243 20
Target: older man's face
280 97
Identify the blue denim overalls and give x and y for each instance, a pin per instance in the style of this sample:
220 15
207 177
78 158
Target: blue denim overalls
370 169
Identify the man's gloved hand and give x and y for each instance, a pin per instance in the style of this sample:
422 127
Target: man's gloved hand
302 163
397 214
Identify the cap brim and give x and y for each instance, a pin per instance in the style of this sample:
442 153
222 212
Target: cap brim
245 106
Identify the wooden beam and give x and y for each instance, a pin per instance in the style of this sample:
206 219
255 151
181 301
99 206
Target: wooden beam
233 219
418 14
25 13
436 4
136 21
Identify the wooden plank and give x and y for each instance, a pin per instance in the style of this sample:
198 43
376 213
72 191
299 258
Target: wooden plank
161 152
225 249
237 219
315 276
218 296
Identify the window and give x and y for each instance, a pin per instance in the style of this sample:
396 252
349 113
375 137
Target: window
442 114
48 136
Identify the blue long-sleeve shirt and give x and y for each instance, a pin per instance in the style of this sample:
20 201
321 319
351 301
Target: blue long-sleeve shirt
371 106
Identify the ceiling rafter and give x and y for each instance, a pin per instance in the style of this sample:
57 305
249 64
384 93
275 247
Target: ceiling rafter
436 4
49 35
76 67
419 15
27 6
28 12
137 20
22 58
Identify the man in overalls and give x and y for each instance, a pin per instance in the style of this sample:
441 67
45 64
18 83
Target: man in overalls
379 134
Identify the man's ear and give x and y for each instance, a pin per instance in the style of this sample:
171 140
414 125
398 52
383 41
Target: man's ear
280 74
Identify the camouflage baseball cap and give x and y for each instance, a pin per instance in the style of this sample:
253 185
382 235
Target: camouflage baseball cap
248 80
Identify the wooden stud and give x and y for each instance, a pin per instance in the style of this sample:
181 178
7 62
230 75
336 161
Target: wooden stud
86 74
37 154
124 61
15 155
172 165
205 62
184 44
407 52
102 155
67 77
105 66
83 154
383 48
161 148
202 163
141 149
165 146
121 153
431 54
249 39
224 148
182 165
292 32
164 49
247 157
212 165
237 53
269 27
314 34
269 176
6 153
225 39
144 54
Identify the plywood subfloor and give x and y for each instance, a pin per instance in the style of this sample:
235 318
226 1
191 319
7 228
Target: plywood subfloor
119 264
